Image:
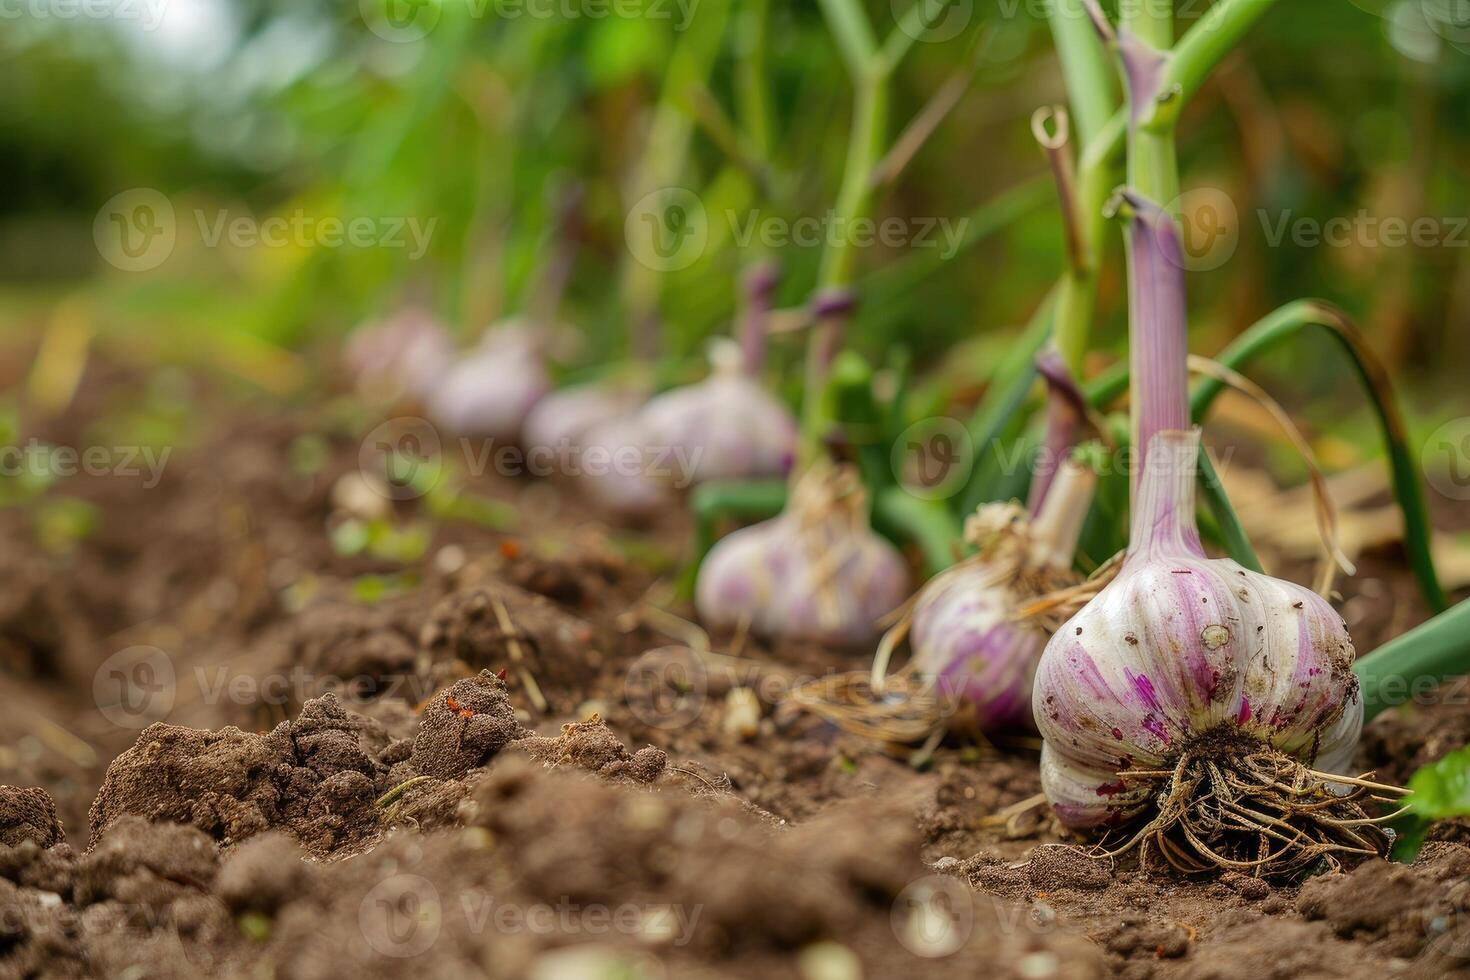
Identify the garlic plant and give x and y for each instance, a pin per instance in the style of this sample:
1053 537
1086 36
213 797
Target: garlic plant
1193 694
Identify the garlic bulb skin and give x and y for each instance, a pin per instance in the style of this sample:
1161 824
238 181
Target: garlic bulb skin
1180 647
728 425
817 572
491 389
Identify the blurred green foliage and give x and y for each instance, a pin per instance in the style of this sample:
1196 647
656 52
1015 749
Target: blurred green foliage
263 107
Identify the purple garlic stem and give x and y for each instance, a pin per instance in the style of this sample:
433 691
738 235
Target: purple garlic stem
831 312
1066 409
1158 330
1163 523
760 285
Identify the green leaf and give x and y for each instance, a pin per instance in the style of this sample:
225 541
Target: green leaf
1285 324
1438 791
1442 789
1413 663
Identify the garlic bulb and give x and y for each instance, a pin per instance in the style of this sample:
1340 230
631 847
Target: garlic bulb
492 388
969 635
406 353
1193 691
1181 646
620 472
816 572
728 424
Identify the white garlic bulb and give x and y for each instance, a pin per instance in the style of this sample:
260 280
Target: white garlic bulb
1180 646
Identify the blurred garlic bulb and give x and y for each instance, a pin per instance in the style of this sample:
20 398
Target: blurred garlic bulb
619 471
816 572
404 354
490 391
728 425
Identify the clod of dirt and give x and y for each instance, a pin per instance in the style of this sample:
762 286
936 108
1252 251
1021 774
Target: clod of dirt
221 782
1400 909
464 727
497 626
142 862
41 634
28 814
312 777
592 746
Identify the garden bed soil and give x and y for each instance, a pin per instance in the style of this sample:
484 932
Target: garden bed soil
340 786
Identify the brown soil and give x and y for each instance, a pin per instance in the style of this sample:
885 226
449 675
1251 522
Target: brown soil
337 785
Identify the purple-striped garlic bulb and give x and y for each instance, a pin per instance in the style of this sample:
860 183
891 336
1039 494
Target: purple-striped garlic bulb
816 572
405 354
1180 646
729 425
1192 690
969 637
491 389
